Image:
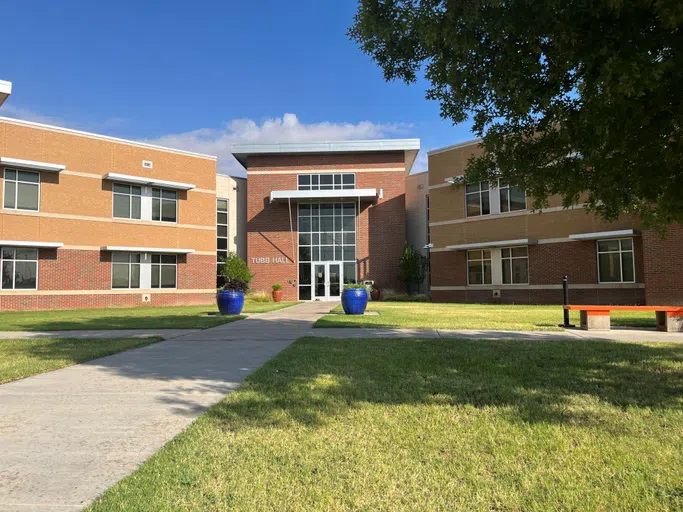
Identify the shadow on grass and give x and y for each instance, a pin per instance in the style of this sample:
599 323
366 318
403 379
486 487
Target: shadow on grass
531 381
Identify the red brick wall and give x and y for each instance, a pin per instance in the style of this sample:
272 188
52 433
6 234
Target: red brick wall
663 267
381 231
113 300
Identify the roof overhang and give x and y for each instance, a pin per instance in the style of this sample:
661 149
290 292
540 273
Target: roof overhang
494 244
605 234
5 90
163 250
363 194
25 243
140 180
410 147
31 164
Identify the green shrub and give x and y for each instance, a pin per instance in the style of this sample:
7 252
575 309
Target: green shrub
258 297
236 273
277 287
412 268
389 295
353 286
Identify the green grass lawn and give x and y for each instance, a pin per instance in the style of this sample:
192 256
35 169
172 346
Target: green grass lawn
426 315
395 424
167 317
23 358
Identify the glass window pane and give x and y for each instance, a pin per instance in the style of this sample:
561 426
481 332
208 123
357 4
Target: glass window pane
474 272
136 210
169 194
304 179
26 254
503 193
326 238
304 239
156 258
349 209
135 257
7 253
627 244
304 292
326 253
472 187
305 224
155 275
507 274
338 253
505 253
121 206
156 209
609 267
349 238
156 192
120 257
337 179
474 255
27 196
222 205
484 185
315 239
168 211
222 231
222 254
7 274
136 190
31 177
222 218
520 270
121 189
135 275
326 179
304 254
349 223
627 265
349 253
119 276
304 209
10 175
486 254
473 208
221 243
349 179
517 199
315 224
315 253
326 224
168 276
314 180
326 209
304 273
519 252
608 245
168 259
487 271
349 273
485 207
10 191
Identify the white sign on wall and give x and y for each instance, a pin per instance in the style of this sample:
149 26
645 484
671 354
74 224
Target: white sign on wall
270 261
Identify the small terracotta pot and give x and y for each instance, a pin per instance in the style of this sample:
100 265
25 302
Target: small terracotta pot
277 295
375 293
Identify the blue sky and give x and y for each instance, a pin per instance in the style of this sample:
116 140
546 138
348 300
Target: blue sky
202 75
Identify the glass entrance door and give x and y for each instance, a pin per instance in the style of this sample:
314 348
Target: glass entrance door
327 281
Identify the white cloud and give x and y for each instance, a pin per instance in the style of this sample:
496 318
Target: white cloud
26 114
287 128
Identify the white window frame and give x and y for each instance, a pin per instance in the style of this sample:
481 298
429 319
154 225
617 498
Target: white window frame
509 210
14 273
510 259
479 192
130 202
482 260
621 259
161 204
129 254
16 189
341 186
160 265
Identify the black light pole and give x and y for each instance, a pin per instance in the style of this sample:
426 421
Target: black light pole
565 290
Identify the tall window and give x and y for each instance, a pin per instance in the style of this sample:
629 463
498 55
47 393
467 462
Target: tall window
515 262
327 181
477 199
164 205
164 270
22 190
615 261
221 237
127 201
479 267
125 270
19 268
512 199
327 232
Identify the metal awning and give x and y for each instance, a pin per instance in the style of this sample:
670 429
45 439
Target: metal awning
5 90
496 243
31 164
25 243
163 250
152 182
294 196
605 234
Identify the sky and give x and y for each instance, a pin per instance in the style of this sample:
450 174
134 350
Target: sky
203 75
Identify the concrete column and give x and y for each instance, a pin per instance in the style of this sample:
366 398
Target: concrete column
146 204
145 271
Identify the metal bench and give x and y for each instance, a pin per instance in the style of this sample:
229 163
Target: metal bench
594 318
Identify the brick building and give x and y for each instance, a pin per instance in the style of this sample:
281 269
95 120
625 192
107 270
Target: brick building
323 214
487 245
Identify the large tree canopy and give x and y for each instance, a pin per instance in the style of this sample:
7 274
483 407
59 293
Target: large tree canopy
581 98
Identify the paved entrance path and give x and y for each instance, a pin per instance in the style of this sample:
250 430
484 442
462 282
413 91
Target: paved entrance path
68 435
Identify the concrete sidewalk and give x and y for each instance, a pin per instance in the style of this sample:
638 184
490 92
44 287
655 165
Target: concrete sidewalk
68 435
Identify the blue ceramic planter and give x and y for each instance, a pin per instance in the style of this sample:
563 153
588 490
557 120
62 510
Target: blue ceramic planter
354 301
230 302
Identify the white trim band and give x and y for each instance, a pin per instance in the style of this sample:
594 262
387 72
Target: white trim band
605 234
139 180
30 164
24 243
504 287
162 250
311 195
497 243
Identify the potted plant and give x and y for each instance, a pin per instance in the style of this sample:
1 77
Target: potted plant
277 292
375 293
237 277
354 299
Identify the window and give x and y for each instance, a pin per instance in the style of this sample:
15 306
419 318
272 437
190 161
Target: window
127 201
221 237
326 181
479 267
125 270
515 262
512 199
164 205
615 261
164 270
477 199
22 190
19 268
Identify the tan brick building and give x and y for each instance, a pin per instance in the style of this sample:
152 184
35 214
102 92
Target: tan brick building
323 214
94 221
487 245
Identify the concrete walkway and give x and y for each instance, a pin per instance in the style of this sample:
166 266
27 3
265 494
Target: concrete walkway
68 435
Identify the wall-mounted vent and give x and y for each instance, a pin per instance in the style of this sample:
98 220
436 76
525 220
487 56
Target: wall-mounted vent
146 297
147 164
496 294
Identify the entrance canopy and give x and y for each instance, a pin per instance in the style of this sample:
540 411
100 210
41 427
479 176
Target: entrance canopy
294 196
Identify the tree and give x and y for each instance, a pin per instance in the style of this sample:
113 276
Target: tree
581 98
412 269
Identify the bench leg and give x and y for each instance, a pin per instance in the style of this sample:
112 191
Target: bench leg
668 322
595 320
